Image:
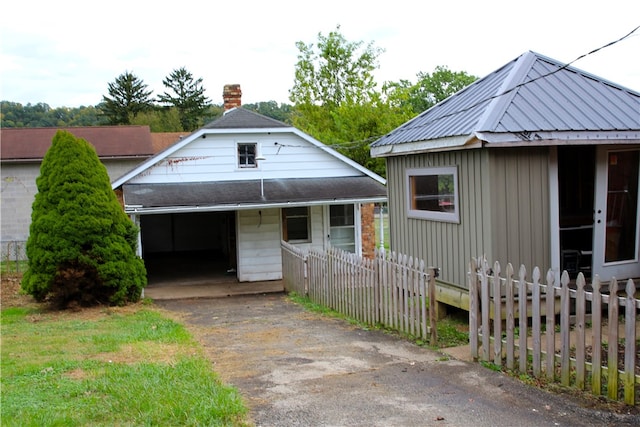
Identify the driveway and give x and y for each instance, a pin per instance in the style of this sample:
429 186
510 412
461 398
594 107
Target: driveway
297 368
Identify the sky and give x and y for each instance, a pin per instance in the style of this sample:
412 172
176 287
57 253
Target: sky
65 53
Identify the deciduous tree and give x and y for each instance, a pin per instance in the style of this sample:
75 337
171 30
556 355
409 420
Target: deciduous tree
429 89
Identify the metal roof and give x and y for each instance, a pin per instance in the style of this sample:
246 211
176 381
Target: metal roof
240 118
219 195
31 144
531 94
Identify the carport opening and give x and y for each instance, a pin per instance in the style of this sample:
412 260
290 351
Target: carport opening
189 248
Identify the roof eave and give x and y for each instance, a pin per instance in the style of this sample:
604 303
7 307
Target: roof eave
541 138
433 145
140 210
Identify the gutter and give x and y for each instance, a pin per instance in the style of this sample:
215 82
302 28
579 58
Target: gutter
141 210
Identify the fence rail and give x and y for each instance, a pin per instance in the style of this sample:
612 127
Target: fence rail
391 290
13 255
561 351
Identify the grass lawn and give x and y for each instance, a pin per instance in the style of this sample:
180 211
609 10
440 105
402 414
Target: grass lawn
106 366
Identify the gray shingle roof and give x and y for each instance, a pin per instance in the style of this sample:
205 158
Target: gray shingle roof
240 118
532 93
249 193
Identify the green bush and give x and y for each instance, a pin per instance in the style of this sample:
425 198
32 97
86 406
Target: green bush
81 246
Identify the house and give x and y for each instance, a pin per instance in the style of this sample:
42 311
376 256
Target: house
225 196
534 164
119 148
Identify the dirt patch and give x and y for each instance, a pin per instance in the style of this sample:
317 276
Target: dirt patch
11 296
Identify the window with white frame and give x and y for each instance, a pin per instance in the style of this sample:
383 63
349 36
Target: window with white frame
295 225
247 155
432 193
342 231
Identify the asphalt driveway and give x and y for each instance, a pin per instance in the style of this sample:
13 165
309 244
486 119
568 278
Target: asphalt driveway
297 368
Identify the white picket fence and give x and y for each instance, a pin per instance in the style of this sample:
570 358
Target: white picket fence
390 290
582 350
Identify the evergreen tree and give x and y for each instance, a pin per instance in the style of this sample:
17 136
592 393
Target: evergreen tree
188 97
128 97
82 246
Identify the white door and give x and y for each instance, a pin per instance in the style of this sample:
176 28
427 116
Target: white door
616 243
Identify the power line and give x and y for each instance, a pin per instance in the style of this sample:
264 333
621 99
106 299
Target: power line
527 82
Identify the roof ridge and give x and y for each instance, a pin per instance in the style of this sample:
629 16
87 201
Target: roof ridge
506 91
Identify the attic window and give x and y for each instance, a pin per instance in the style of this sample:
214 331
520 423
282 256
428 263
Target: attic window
433 194
247 155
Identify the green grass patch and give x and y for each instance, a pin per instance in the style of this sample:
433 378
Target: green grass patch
13 267
452 330
130 366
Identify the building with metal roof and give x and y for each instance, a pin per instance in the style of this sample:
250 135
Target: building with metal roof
534 164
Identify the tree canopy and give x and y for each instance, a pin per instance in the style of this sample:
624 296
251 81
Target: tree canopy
187 96
337 100
429 89
128 96
81 246
334 71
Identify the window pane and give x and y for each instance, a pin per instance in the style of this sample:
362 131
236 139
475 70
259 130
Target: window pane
246 155
432 193
341 215
295 225
297 228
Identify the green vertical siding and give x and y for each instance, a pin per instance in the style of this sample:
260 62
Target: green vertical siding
520 191
444 245
504 210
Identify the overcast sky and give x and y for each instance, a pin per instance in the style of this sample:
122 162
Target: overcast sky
65 52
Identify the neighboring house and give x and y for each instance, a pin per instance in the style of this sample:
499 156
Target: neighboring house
119 148
535 164
227 194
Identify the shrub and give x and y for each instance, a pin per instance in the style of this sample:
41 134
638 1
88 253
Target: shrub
81 246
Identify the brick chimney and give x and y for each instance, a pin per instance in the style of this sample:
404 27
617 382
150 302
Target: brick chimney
232 96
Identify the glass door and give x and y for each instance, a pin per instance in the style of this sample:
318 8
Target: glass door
342 230
616 242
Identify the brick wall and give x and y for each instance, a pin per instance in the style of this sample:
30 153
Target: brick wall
368 230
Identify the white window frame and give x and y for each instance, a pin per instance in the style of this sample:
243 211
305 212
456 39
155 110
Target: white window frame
286 217
453 216
255 155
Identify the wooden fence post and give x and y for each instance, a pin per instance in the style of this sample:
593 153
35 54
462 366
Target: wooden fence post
497 315
565 330
433 316
522 318
596 321
581 308
612 343
473 308
551 325
535 323
630 344
510 320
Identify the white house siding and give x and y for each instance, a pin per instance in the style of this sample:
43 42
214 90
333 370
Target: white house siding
259 235
18 192
259 256
214 158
